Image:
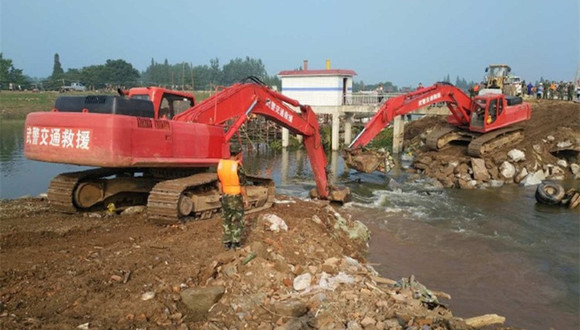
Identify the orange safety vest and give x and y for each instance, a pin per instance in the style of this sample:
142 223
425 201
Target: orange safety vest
228 174
476 88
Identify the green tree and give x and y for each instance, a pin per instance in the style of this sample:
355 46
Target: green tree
57 71
57 78
238 69
10 74
119 73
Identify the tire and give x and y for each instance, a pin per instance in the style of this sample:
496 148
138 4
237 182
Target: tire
550 193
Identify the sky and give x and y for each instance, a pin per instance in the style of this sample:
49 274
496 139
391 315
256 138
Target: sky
404 41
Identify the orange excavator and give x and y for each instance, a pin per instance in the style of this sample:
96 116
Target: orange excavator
485 122
157 147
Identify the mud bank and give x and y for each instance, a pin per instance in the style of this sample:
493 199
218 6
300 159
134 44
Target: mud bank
302 266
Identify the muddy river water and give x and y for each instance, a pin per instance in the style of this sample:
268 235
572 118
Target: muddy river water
493 251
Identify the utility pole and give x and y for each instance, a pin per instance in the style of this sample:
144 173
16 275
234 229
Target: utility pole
182 76
191 69
576 84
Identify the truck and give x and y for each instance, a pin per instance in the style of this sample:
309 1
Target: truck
156 147
73 87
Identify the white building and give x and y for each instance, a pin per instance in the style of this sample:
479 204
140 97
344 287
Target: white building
318 87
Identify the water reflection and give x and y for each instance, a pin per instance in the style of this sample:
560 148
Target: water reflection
20 176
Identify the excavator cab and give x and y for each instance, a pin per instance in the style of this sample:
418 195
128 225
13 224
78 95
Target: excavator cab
488 112
172 104
167 103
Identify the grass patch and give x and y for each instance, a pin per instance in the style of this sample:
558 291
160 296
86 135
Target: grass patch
16 105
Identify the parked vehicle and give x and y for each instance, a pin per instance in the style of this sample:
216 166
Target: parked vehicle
74 87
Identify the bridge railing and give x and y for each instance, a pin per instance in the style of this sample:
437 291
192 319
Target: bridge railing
360 98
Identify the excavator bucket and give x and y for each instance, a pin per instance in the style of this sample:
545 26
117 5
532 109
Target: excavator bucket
337 194
368 161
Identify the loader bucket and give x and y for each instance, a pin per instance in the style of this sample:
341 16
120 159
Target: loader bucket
368 161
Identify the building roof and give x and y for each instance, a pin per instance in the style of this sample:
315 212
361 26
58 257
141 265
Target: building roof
335 72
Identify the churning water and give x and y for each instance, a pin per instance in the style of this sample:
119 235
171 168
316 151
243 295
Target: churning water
493 251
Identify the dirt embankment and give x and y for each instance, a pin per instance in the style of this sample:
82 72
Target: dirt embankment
95 271
550 150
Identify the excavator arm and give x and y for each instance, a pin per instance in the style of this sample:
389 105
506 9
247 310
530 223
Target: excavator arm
456 100
240 100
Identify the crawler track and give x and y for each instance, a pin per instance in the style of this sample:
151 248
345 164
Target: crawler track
192 197
62 187
493 140
441 137
162 205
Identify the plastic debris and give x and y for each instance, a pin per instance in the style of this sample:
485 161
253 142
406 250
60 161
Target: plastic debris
276 223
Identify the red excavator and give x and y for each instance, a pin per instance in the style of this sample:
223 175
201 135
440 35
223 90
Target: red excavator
154 146
486 122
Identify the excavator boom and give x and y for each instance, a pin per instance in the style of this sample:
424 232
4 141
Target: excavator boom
458 103
240 100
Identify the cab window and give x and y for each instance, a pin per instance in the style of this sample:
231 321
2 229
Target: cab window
172 105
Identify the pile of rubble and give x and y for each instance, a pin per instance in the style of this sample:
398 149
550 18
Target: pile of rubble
550 150
302 266
291 278
513 166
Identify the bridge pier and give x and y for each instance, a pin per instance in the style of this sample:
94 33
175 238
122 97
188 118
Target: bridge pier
398 134
348 121
285 138
335 131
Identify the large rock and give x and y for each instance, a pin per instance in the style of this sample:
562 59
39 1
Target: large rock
134 209
447 182
495 183
463 184
461 169
533 179
507 170
562 163
292 308
556 170
494 172
479 169
516 155
200 300
521 175
564 144
575 168
301 282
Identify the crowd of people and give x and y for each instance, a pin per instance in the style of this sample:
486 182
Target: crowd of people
552 90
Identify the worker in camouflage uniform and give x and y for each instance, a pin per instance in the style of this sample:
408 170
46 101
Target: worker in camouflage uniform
546 88
570 91
232 179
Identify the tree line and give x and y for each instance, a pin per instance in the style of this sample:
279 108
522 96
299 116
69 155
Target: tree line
119 73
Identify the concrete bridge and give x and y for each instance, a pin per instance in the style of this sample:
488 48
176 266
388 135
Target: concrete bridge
364 105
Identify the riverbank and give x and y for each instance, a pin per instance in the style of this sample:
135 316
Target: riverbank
120 271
